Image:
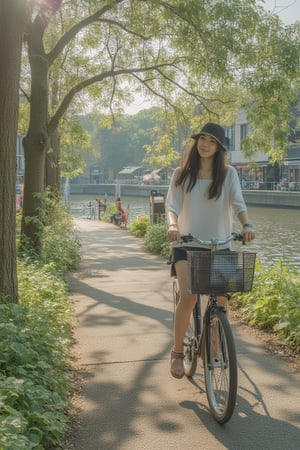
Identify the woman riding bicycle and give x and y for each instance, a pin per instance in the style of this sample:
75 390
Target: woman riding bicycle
202 194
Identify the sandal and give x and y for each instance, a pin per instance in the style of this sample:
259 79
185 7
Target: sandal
177 370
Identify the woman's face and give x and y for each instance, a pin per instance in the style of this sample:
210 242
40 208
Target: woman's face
207 146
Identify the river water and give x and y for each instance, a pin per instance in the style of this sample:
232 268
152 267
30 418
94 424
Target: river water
277 229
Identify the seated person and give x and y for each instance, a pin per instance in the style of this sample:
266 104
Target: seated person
119 205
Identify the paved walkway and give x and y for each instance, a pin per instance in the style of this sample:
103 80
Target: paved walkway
122 296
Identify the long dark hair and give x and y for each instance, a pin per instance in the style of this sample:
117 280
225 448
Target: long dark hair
190 166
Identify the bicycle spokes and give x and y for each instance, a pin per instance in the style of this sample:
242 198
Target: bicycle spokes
190 347
220 367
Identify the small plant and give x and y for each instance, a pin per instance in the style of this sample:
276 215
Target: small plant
110 211
274 302
156 240
139 226
60 245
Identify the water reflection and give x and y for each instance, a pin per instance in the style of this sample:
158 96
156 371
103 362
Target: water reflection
277 229
277 234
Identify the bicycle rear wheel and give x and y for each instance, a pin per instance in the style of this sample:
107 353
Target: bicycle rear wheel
220 367
190 347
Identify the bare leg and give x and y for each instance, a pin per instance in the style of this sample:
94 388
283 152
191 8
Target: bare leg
182 317
184 307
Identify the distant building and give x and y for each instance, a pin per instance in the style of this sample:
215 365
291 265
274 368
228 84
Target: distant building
262 174
131 174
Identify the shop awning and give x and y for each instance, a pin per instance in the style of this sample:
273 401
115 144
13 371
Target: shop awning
157 171
293 163
130 170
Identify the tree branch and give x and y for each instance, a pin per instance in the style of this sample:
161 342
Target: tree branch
163 97
120 25
25 94
69 35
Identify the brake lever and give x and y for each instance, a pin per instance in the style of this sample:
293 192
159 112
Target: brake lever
239 237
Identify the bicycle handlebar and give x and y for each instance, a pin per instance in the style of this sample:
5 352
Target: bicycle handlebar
213 242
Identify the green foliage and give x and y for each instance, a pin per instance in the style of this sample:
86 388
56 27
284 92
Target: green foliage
274 302
35 338
156 239
273 89
139 226
122 143
111 210
60 245
74 141
246 50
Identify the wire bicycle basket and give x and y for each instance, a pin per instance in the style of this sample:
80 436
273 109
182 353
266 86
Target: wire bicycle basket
221 271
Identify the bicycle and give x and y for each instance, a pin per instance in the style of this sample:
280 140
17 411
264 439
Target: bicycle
214 272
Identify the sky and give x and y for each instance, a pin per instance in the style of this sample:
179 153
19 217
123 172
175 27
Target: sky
287 10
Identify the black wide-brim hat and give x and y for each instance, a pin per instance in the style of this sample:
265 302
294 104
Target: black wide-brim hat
214 130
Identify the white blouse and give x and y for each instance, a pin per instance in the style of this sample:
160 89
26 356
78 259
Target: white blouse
204 218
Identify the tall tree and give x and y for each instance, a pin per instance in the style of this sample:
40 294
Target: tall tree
12 21
207 50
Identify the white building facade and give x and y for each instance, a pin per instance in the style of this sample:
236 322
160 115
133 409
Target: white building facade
258 173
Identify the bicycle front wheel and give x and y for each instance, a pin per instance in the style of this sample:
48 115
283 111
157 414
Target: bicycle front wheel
220 367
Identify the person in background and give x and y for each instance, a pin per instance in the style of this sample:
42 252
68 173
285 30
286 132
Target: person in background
119 205
202 194
123 218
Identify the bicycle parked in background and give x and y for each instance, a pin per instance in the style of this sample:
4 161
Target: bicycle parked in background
209 336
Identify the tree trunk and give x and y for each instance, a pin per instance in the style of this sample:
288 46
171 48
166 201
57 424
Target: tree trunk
52 162
12 21
34 153
36 142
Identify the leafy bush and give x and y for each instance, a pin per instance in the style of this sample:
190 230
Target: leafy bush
274 302
111 210
156 240
59 243
139 226
35 338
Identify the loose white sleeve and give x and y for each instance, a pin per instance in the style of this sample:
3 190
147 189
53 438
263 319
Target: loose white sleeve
235 191
174 197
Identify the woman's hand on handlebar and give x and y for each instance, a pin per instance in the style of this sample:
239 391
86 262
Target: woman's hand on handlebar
173 233
248 234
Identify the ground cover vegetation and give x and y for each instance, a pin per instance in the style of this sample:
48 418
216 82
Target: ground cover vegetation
201 60
274 302
36 339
